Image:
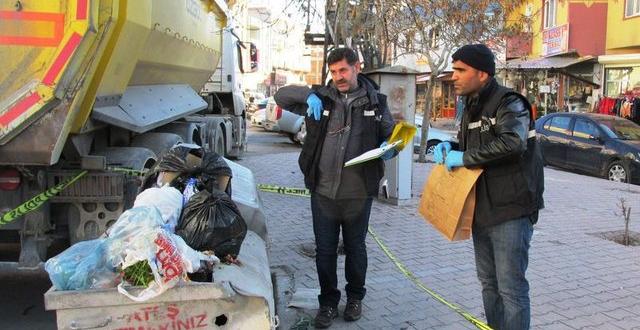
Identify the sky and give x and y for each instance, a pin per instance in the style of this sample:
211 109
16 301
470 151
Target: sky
293 8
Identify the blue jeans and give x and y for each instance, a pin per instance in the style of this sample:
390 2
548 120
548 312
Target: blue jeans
502 256
329 215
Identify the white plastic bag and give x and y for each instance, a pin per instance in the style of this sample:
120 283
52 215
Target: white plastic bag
138 235
167 199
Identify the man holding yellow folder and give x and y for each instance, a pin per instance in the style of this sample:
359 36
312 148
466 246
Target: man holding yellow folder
345 118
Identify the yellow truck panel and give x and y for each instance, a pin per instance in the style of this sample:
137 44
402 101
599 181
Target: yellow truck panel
64 54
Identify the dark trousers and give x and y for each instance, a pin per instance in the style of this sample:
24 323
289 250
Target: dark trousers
502 256
329 215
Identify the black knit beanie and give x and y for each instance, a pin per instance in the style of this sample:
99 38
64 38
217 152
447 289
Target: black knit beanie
477 56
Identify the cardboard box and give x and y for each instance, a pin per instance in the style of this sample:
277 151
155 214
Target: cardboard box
448 201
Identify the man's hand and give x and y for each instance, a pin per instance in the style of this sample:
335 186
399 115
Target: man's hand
315 106
439 152
389 153
453 159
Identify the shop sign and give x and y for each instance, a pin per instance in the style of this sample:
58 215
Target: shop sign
542 89
278 79
555 40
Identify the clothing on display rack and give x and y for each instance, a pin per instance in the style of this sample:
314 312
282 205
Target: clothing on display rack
627 107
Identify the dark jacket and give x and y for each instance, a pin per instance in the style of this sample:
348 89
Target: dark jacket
497 135
375 128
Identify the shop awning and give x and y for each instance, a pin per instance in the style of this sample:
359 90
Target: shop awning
619 59
555 62
425 77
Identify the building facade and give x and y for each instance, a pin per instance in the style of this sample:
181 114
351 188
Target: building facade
553 61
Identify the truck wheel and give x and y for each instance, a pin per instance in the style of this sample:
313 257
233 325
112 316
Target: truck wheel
216 141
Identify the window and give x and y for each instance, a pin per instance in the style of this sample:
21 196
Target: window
550 7
585 129
558 124
632 8
621 81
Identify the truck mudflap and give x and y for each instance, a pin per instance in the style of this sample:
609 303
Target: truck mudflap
240 297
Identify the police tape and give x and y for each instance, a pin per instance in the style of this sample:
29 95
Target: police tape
124 170
403 269
37 201
302 192
413 278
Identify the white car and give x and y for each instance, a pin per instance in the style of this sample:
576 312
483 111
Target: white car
257 118
284 121
436 135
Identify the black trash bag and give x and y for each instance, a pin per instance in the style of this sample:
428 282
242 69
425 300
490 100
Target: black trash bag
174 160
212 221
213 168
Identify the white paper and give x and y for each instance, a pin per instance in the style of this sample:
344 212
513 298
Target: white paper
372 154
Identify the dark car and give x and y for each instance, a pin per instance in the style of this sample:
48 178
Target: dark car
600 145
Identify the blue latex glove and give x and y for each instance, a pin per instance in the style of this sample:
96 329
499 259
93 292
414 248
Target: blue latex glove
439 152
315 106
389 153
453 159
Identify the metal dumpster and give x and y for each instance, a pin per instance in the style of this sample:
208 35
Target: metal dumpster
240 297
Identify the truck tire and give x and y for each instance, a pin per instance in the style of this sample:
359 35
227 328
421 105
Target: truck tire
217 141
157 142
189 132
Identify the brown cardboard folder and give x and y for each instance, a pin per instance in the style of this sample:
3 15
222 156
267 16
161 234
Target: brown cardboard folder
449 199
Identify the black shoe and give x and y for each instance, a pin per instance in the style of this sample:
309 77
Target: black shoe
353 310
325 317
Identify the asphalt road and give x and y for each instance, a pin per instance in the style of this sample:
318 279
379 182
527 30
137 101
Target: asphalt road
22 301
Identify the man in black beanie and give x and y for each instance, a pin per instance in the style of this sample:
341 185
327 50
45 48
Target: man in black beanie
497 134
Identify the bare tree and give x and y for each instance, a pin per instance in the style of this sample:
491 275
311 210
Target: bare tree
383 30
434 29
626 216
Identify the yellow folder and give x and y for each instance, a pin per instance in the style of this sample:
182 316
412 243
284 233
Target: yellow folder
403 132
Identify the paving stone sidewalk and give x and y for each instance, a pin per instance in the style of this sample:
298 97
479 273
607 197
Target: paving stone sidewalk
578 280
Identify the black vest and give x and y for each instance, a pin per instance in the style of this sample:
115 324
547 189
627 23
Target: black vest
513 188
373 170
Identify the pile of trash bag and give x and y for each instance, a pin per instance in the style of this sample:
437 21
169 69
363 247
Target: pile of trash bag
140 234
182 222
210 221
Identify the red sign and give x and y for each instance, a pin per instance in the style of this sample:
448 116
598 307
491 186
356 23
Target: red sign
555 40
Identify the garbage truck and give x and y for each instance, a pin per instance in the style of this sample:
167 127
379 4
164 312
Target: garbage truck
93 85
97 91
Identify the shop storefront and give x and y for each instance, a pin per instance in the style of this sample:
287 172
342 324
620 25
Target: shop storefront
444 97
621 95
621 75
553 84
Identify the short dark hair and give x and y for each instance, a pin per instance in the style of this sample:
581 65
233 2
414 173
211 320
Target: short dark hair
340 54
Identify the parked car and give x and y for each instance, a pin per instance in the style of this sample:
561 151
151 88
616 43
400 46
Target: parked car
270 120
436 135
600 145
252 97
257 119
257 104
286 122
